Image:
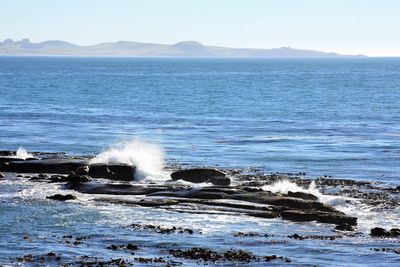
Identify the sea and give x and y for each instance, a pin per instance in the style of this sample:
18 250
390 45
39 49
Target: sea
337 117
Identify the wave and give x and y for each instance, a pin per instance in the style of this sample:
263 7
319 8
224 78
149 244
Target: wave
148 158
22 153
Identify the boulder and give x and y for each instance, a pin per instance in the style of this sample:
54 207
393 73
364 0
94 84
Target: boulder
380 232
76 179
61 197
201 175
119 172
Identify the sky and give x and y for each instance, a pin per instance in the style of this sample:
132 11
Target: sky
369 27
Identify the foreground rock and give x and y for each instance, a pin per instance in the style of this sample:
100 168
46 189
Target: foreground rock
199 175
260 204
201 254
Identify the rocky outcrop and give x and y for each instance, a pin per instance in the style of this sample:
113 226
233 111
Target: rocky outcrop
200 175
62 166
121 172
380 232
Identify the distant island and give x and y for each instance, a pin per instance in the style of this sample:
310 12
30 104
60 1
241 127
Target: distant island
138 49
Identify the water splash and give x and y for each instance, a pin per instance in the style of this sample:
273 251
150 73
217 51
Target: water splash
22 153
284 186
147 157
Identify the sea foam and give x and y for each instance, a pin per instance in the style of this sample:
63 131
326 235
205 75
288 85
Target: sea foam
284 186
22 153
147 157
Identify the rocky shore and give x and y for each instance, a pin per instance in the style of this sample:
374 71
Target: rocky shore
200 191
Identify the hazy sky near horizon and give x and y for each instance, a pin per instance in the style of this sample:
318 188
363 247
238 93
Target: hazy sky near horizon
370 27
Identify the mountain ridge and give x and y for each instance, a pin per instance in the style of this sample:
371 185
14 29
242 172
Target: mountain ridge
142 49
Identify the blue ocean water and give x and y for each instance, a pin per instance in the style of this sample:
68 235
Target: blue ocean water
336 117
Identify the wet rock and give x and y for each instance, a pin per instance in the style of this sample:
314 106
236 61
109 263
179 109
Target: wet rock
2 175
344 227
200 175
198 193
119 172
84 170
319 237
162 230
117 189
206 255
61 197
219 180
397 251
44 166
154 260
129 246
395 232
380 232
323 217
77 179
6 160
249 234
302 195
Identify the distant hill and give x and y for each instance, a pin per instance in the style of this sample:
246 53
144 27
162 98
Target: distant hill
137 49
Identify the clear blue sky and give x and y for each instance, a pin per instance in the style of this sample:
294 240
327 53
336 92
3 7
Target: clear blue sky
369 27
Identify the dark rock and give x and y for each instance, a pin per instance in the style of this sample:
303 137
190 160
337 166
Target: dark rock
84 170
62 197
119 172
206 255
200 175
2 175
344 227
219 180
380 232
302 195
44 166
323 217
395 232
77 179
192 193
161 230
116 189
5 160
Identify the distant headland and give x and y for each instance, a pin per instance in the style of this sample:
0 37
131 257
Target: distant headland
139 49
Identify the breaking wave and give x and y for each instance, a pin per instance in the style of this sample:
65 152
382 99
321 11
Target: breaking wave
147 157
284 186
22 153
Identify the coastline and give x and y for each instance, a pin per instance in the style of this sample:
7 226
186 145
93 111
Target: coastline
253 196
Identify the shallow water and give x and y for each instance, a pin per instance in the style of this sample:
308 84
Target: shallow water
336 117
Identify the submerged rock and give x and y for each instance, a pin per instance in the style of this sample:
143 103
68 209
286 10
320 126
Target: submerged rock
344 227
200 175
61 197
